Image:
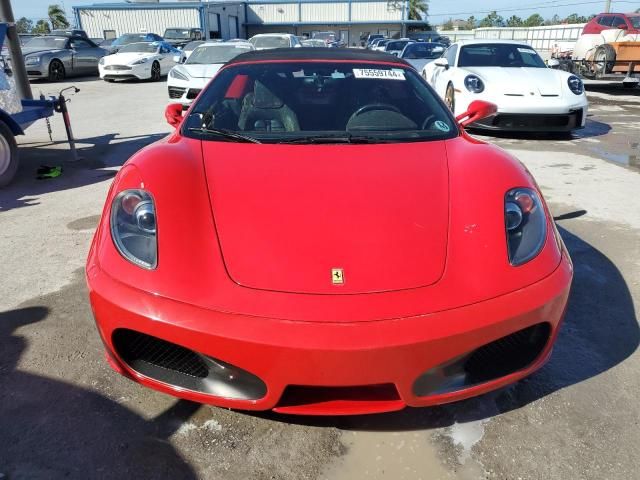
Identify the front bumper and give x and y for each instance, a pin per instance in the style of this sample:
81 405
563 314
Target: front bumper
185 91
524 122
330 368
139 72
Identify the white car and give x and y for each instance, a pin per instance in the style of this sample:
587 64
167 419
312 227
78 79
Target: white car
511 74
185 81
188 49
418 54
265 41
395 47
141 60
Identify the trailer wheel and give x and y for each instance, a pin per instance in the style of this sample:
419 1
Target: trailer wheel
605 59
8 155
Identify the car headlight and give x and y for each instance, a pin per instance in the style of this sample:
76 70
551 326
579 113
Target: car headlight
140 62
32 60
525 224
133 227
173 73
575 85
101 62
474 84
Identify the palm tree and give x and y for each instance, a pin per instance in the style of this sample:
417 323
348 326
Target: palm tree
57 17
417 8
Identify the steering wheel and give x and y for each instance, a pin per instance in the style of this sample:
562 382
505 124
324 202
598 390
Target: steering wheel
427 121
374 106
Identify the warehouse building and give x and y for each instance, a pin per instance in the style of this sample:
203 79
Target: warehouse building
109 20
351 19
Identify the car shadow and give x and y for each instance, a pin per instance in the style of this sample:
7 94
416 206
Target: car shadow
80 79
614 90
53 429
600 331
99 158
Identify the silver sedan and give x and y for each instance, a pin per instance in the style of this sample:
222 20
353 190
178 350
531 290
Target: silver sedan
56 57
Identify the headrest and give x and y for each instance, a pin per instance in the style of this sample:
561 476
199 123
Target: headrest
265 98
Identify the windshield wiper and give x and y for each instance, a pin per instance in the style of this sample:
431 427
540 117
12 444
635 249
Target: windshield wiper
348 138
224 134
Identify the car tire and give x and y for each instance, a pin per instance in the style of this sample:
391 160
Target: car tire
605 59
8 155
450 98
156 72
56 71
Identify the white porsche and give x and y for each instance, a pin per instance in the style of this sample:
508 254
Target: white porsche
185 81
141 60
529 96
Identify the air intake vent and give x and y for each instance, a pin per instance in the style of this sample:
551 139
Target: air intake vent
494 360
136 348
507 355
176 365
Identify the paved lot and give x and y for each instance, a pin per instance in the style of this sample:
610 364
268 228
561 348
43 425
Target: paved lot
64 413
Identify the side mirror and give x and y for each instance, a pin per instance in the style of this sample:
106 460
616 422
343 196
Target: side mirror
177 58
553 63
623 27
173 114
477 110
441 62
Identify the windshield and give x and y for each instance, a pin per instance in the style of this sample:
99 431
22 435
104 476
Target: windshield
141 47
46 42
320 102
130 38
429 51
270 42
176 33
192 45
399 45
499 55
205 55
635 21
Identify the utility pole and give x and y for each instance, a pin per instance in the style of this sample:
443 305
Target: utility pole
607 6
13 41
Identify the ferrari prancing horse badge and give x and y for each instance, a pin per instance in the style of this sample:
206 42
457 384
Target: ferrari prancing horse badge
337 276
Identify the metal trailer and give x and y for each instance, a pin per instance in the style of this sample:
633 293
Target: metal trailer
15 124
610 62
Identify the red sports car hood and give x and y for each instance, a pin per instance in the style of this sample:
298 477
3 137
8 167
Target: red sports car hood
330 219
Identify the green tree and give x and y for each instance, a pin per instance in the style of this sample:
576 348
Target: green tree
492 20
24 25
534 20
41 27
448 25
555 20
57 17
471 23
575 18
514 21
418 9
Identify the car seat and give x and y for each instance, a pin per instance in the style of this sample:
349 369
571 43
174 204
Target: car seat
264 111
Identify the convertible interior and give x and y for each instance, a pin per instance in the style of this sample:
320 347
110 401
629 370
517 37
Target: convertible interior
319 101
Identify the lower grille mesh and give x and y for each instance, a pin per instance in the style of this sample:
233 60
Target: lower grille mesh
507 354
136 347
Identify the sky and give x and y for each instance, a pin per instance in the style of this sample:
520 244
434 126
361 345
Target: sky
439 10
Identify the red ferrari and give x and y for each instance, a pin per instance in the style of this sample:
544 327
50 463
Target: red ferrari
320 236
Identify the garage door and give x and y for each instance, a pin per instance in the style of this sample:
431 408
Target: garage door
233 27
